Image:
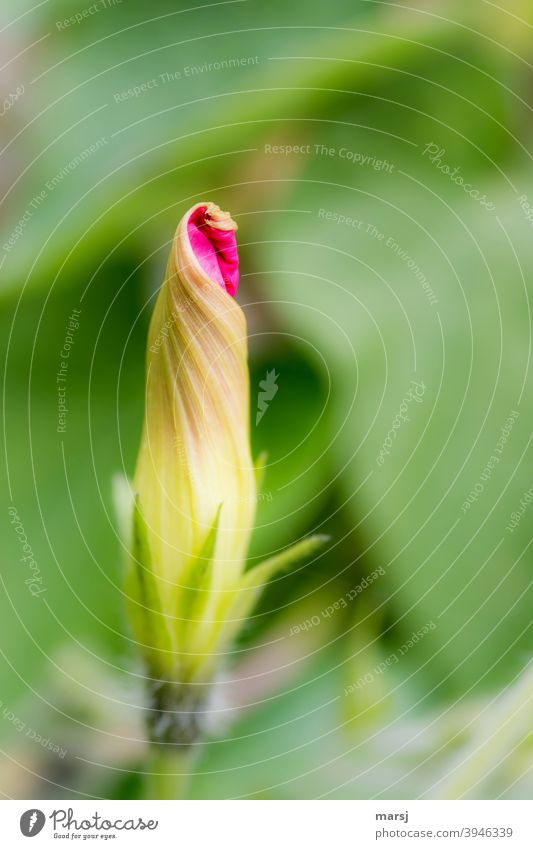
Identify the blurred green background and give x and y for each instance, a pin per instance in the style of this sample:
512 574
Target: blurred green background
365 265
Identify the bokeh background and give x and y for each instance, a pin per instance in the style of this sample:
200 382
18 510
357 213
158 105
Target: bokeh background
377 158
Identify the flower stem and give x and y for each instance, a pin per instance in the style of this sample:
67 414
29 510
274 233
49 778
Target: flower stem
175 728
169 771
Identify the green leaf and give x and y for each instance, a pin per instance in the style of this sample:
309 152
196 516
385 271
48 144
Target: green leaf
356 298
185 131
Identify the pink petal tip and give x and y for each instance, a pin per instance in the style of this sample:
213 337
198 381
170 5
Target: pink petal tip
212 236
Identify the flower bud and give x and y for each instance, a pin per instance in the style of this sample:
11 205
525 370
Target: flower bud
195 478
194 492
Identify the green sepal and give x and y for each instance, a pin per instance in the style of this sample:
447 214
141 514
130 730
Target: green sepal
150 623
253 580
123 502
199 574
260 469
263 572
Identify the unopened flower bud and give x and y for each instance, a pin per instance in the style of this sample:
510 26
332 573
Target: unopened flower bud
194 490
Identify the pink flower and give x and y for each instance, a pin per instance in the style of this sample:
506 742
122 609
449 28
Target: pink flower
211 234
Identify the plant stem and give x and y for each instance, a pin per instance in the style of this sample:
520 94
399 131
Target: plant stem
168 771
174 725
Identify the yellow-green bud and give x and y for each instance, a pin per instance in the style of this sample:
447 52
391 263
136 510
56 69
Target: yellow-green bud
195 480
188 522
